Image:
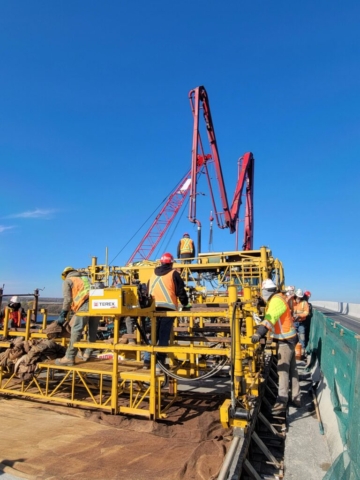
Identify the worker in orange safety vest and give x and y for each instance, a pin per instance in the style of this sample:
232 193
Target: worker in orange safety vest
301 312
279 322
76 288
166 286
17 313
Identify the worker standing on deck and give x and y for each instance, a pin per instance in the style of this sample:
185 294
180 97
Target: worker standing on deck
166 286
17 313
278 320
186 248
76 288
290 297
301 312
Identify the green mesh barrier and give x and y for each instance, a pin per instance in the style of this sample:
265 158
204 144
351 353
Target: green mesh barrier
338 352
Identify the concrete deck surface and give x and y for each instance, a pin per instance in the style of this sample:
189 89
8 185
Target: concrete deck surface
306 451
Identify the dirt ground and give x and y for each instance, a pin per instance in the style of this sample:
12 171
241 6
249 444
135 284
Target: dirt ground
48 442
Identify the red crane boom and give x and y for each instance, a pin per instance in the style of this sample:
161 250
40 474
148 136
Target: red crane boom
229 216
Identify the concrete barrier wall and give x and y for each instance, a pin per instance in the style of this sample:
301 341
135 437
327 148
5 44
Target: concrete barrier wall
352 309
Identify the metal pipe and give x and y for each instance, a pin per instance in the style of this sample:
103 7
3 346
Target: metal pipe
106 267
263 263
321 427
198 237
36 303
229 458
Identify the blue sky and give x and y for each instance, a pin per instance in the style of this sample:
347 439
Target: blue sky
96 129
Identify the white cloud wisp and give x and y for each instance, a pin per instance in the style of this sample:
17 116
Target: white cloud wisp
37 213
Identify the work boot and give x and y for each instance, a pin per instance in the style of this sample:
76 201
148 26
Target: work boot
146 366
279 407
64 362
296 402
83 357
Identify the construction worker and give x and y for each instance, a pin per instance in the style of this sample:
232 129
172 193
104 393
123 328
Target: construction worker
186 248
166 286
17 313
290 297
301 312
279 322
76 289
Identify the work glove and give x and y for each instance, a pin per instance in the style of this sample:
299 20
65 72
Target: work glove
255 338
186 307
259 334
61 319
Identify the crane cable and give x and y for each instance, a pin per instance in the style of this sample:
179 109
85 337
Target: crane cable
172 234
137 231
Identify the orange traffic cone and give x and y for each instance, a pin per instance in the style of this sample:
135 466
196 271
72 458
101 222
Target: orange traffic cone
298 351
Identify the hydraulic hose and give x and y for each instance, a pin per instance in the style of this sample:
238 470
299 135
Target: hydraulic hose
167 372
209 374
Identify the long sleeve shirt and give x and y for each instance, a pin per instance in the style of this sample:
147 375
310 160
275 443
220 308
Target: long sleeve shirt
301 310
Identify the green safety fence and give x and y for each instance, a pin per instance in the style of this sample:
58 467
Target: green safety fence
337 350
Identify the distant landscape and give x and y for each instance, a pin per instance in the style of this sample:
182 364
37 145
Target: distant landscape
52 305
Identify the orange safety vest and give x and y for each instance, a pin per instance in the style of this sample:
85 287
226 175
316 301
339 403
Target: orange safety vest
80 292
301 310
15 317
284 327
186 245
163 290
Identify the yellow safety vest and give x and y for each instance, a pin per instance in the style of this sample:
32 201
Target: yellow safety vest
284 327
186 245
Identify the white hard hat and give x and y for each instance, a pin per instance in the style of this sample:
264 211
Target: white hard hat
268 284
289 290
299 293
14 299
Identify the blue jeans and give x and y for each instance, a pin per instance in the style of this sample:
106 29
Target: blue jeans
300 328
163 332
77 327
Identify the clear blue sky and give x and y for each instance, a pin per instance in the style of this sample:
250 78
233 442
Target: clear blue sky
96 129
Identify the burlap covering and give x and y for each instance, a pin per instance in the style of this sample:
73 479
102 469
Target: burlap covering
43 441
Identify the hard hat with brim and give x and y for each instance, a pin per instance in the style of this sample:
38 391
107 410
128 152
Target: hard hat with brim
166 258
268 284
66 271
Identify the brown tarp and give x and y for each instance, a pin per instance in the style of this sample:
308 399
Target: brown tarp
43 441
